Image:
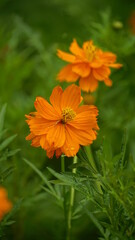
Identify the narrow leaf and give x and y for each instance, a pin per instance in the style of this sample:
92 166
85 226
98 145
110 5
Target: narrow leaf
6 142
40 174
2 117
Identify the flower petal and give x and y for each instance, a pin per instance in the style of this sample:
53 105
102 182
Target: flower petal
43 142
66 74
36 141
75 49
82 69
108 57
79 136
115 65
109 60
86 119
88 83
96 63
56 136
58 152
71 146
40 126
66 56
108 82
45 109
50 153
55 98
71 97
101 73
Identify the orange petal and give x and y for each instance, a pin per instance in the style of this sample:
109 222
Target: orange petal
108 57
30 136
66 56
108 82
66 74
58 152
115 65
71 97
89 83
40 126
50 153
96 63
43 142
71 146
55 98
109 60
101 73
36 141
84 108
85 120
79 136
56 136
82 69
75 49
45 109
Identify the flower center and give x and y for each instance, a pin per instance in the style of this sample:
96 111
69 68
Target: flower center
67 115
90 51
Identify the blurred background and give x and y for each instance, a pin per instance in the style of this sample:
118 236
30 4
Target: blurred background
31 31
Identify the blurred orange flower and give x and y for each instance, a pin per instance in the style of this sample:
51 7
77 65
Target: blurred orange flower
132 22
5 204
88 99
63 125
89 64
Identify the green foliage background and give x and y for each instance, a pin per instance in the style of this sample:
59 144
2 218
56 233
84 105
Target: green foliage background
30 33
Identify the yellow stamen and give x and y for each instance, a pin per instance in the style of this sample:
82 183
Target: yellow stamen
90 51
67 115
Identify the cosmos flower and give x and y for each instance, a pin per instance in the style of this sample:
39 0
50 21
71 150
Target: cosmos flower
62 126
5 204
89 64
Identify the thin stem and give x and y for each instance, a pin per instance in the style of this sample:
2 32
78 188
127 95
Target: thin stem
71 203
64 199
62 164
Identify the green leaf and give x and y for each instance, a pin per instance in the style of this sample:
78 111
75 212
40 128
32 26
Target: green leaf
2 117
123 150
96 222
2 133
40 174
6 173
6 142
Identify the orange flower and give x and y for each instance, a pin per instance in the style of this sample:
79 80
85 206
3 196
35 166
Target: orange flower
63 125
132 22
5 204
89 64
88 99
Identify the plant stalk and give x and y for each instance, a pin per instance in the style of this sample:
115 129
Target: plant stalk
71 204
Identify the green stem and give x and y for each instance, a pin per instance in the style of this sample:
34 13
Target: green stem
71 203
64 199
62 164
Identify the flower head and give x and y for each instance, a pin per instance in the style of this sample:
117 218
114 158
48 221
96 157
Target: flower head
63 125
5 204
89 64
